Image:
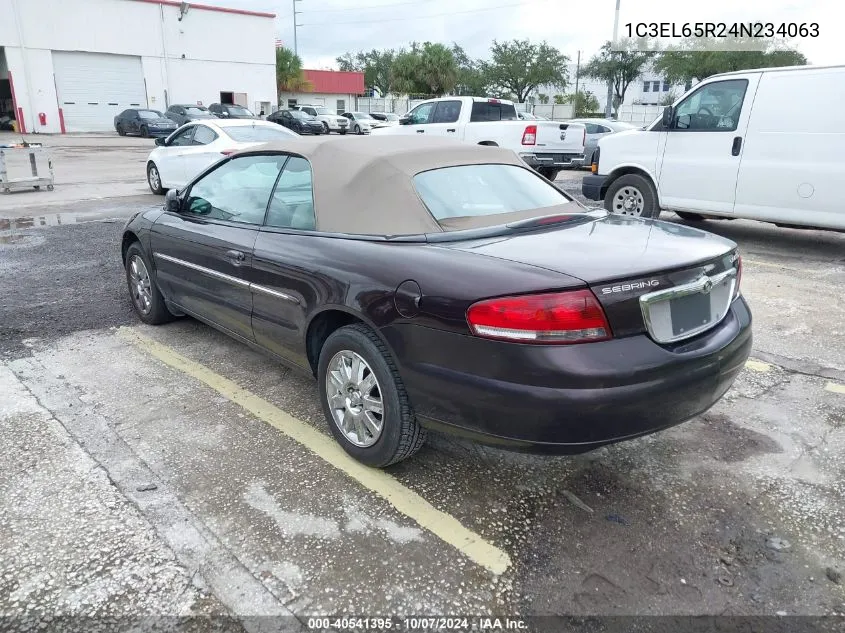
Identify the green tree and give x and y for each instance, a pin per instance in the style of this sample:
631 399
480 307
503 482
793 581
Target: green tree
694 60
519 67
289 75
542 98
472 80
376 66
428 69
619 67
559 99
584 102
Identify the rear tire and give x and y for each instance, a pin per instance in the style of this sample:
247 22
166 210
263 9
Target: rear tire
549 173
146 299
400 435
357 130
690 217
633 195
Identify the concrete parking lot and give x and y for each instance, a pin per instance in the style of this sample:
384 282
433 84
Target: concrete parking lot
170 470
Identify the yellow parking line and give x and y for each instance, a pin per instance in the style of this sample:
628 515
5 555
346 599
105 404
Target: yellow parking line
835 387
405 500
757 365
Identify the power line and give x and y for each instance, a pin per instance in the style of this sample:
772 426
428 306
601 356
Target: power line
369 6
419 17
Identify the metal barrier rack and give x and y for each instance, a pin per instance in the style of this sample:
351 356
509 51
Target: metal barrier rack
34 181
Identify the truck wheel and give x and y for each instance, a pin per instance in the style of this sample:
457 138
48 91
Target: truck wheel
632 194
549 173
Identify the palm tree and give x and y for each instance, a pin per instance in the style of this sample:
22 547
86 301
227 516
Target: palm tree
289 75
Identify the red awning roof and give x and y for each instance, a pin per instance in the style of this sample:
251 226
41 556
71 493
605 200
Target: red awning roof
335 82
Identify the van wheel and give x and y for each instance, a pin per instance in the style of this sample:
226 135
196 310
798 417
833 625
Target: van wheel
690 217
632 194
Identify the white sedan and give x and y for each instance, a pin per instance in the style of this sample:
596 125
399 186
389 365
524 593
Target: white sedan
199 144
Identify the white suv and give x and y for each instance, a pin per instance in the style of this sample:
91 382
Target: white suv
329 118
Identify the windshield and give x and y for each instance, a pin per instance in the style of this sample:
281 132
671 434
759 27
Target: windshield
485 190
299 114
196 110
324 111
239 111
361 115
258 133
391 116
150 114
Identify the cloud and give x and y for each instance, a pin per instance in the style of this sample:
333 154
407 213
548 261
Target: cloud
332 28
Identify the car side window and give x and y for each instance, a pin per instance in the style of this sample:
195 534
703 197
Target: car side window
592 128
602 129
237 191
204 135
421 114
715 107
183 137
446 112
292 203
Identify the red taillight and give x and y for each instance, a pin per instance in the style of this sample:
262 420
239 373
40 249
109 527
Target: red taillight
529 137
556 317
493 101
228 152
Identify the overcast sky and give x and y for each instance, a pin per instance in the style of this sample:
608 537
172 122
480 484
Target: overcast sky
333 27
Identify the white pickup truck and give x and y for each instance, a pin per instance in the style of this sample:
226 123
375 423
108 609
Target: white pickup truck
547 146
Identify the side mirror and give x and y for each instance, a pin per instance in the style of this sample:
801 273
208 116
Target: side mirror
668 115
171 201
161 140
404 120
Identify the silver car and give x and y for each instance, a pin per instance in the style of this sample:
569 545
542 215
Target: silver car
599 128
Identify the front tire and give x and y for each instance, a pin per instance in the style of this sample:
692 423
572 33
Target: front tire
146 298
364 399
326 129
343 131
120 130
154 179
145 132
357 130
634 195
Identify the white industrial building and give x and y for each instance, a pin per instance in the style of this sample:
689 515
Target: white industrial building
72 65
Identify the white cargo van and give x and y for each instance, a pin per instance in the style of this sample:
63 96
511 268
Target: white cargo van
763 144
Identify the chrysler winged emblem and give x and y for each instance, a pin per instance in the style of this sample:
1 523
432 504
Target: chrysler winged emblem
707 286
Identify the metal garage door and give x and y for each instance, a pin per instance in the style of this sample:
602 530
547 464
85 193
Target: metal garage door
94 87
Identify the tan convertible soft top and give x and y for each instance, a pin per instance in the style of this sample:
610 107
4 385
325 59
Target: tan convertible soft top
364 185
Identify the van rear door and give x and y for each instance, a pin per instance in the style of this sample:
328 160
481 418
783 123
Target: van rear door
698 168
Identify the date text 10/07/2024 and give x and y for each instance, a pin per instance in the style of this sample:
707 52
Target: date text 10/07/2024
422 623
721 29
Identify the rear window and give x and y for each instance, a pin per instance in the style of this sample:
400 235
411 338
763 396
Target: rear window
482 190
487 111
258 134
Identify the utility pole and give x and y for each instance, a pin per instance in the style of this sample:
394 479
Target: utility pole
295 13
608 110
577 73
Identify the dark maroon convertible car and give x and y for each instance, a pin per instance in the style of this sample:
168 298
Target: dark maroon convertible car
432 284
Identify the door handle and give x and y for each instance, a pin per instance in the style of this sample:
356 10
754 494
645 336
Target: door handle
420 131
236 257
737 146
450 129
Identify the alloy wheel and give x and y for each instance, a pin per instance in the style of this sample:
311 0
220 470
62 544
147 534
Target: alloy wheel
139 285
154 178
355 398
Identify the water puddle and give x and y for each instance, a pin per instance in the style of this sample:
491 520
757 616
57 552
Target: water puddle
52 219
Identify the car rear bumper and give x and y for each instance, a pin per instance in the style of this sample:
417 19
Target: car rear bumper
552 159
593 187
567 399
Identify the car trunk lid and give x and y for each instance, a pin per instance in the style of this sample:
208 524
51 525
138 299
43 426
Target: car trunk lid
622 259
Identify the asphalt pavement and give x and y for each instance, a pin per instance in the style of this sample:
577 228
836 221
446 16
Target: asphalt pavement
170 471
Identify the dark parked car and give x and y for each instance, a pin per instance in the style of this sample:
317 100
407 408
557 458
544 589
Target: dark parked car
183 113
432 284
298 121
229 111
144 122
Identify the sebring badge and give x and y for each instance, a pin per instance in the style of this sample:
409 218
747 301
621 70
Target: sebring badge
634 285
